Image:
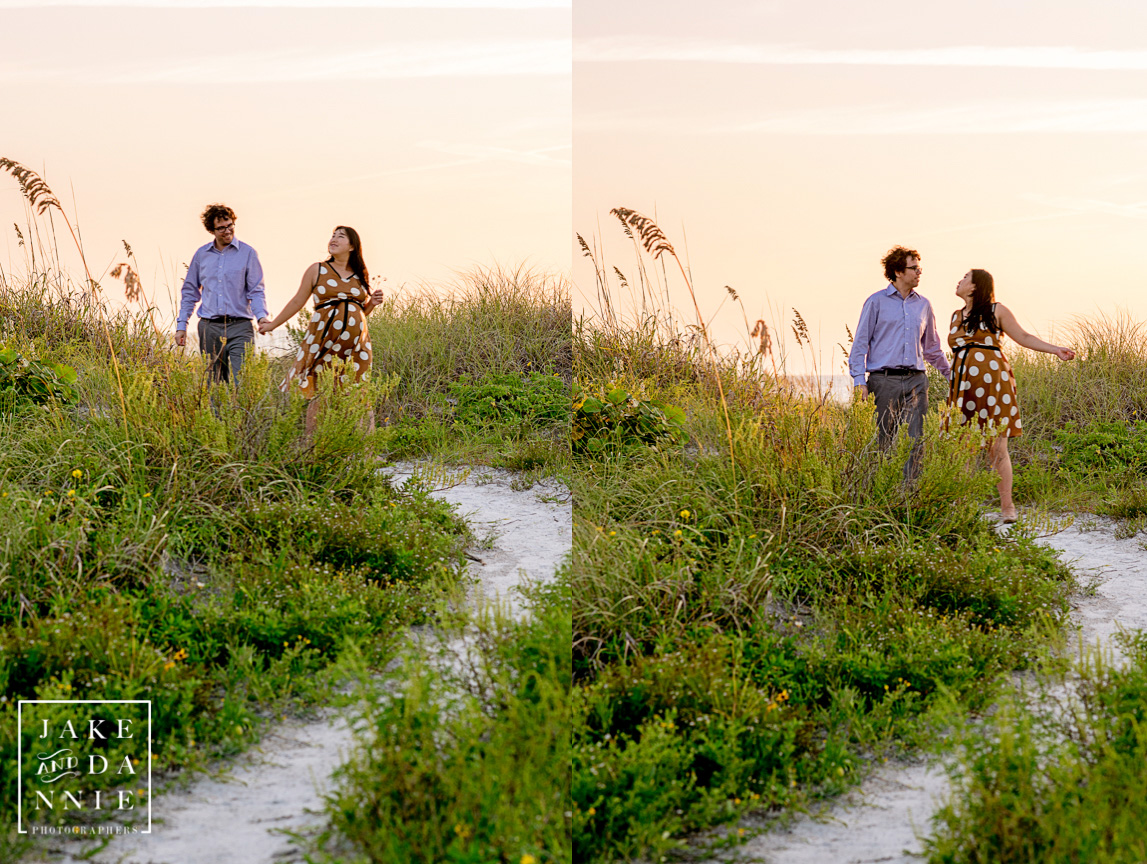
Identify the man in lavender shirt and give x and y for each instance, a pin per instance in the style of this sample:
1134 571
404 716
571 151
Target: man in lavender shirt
895 336
225 279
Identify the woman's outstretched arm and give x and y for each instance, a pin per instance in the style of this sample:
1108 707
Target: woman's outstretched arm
1020 336
295 303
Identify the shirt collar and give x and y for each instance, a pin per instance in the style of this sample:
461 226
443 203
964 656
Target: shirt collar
892 292
234 243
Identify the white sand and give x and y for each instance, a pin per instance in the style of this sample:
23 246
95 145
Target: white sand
239 815
883 819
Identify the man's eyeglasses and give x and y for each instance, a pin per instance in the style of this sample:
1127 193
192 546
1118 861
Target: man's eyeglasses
223 229
915 267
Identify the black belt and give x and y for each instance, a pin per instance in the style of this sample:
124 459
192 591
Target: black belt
226 319
897 371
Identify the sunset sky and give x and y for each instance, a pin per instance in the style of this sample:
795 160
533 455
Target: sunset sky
792 144
440 130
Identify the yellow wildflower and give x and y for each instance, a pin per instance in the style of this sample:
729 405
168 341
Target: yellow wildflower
77 473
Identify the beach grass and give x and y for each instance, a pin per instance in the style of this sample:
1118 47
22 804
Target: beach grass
247 569
762 608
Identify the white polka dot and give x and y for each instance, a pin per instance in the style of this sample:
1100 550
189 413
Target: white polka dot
1003 376
314 349
354 291
953 330
332 283
983 412
975 370
992 400
342 296
338 325
315 317
328 343
351 322
322 270
1013 411
310 338
979 391
1019 423
996 410
356 367
994 365
980 355
959 342
960 402
988 377
988 340
363 355
299 356
346 334
1006 398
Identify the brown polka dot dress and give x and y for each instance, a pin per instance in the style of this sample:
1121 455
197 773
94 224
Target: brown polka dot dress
983 387
337 331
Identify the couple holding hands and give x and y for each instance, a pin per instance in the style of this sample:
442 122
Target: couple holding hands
897 334
225 280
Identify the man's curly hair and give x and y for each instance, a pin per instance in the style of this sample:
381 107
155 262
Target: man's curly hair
216 211
896 261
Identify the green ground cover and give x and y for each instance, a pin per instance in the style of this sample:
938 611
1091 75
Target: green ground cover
762 609
168 539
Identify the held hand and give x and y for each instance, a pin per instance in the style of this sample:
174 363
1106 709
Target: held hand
265 327
180 338
1064 353
861 392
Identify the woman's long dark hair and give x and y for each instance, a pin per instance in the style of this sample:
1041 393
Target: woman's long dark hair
357 265
982 313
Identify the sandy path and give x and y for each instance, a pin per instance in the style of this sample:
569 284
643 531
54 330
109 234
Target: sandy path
880 820
239 815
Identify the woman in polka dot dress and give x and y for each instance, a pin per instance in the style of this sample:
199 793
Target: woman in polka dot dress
983 388
337 330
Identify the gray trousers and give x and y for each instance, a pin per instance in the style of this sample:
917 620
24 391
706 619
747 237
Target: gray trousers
225 343
901 399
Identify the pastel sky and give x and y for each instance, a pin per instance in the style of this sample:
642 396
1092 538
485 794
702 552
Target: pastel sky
440 130
787 146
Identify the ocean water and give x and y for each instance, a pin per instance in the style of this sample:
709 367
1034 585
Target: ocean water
837 387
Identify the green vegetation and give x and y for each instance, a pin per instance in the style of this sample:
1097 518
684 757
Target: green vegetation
169 539
484 368
195 549
1058 785
469 759
764 611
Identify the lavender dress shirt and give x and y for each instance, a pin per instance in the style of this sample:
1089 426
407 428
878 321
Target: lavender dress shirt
895 332
223 283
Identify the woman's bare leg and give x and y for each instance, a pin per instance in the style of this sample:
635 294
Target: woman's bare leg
312 416
1002 462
